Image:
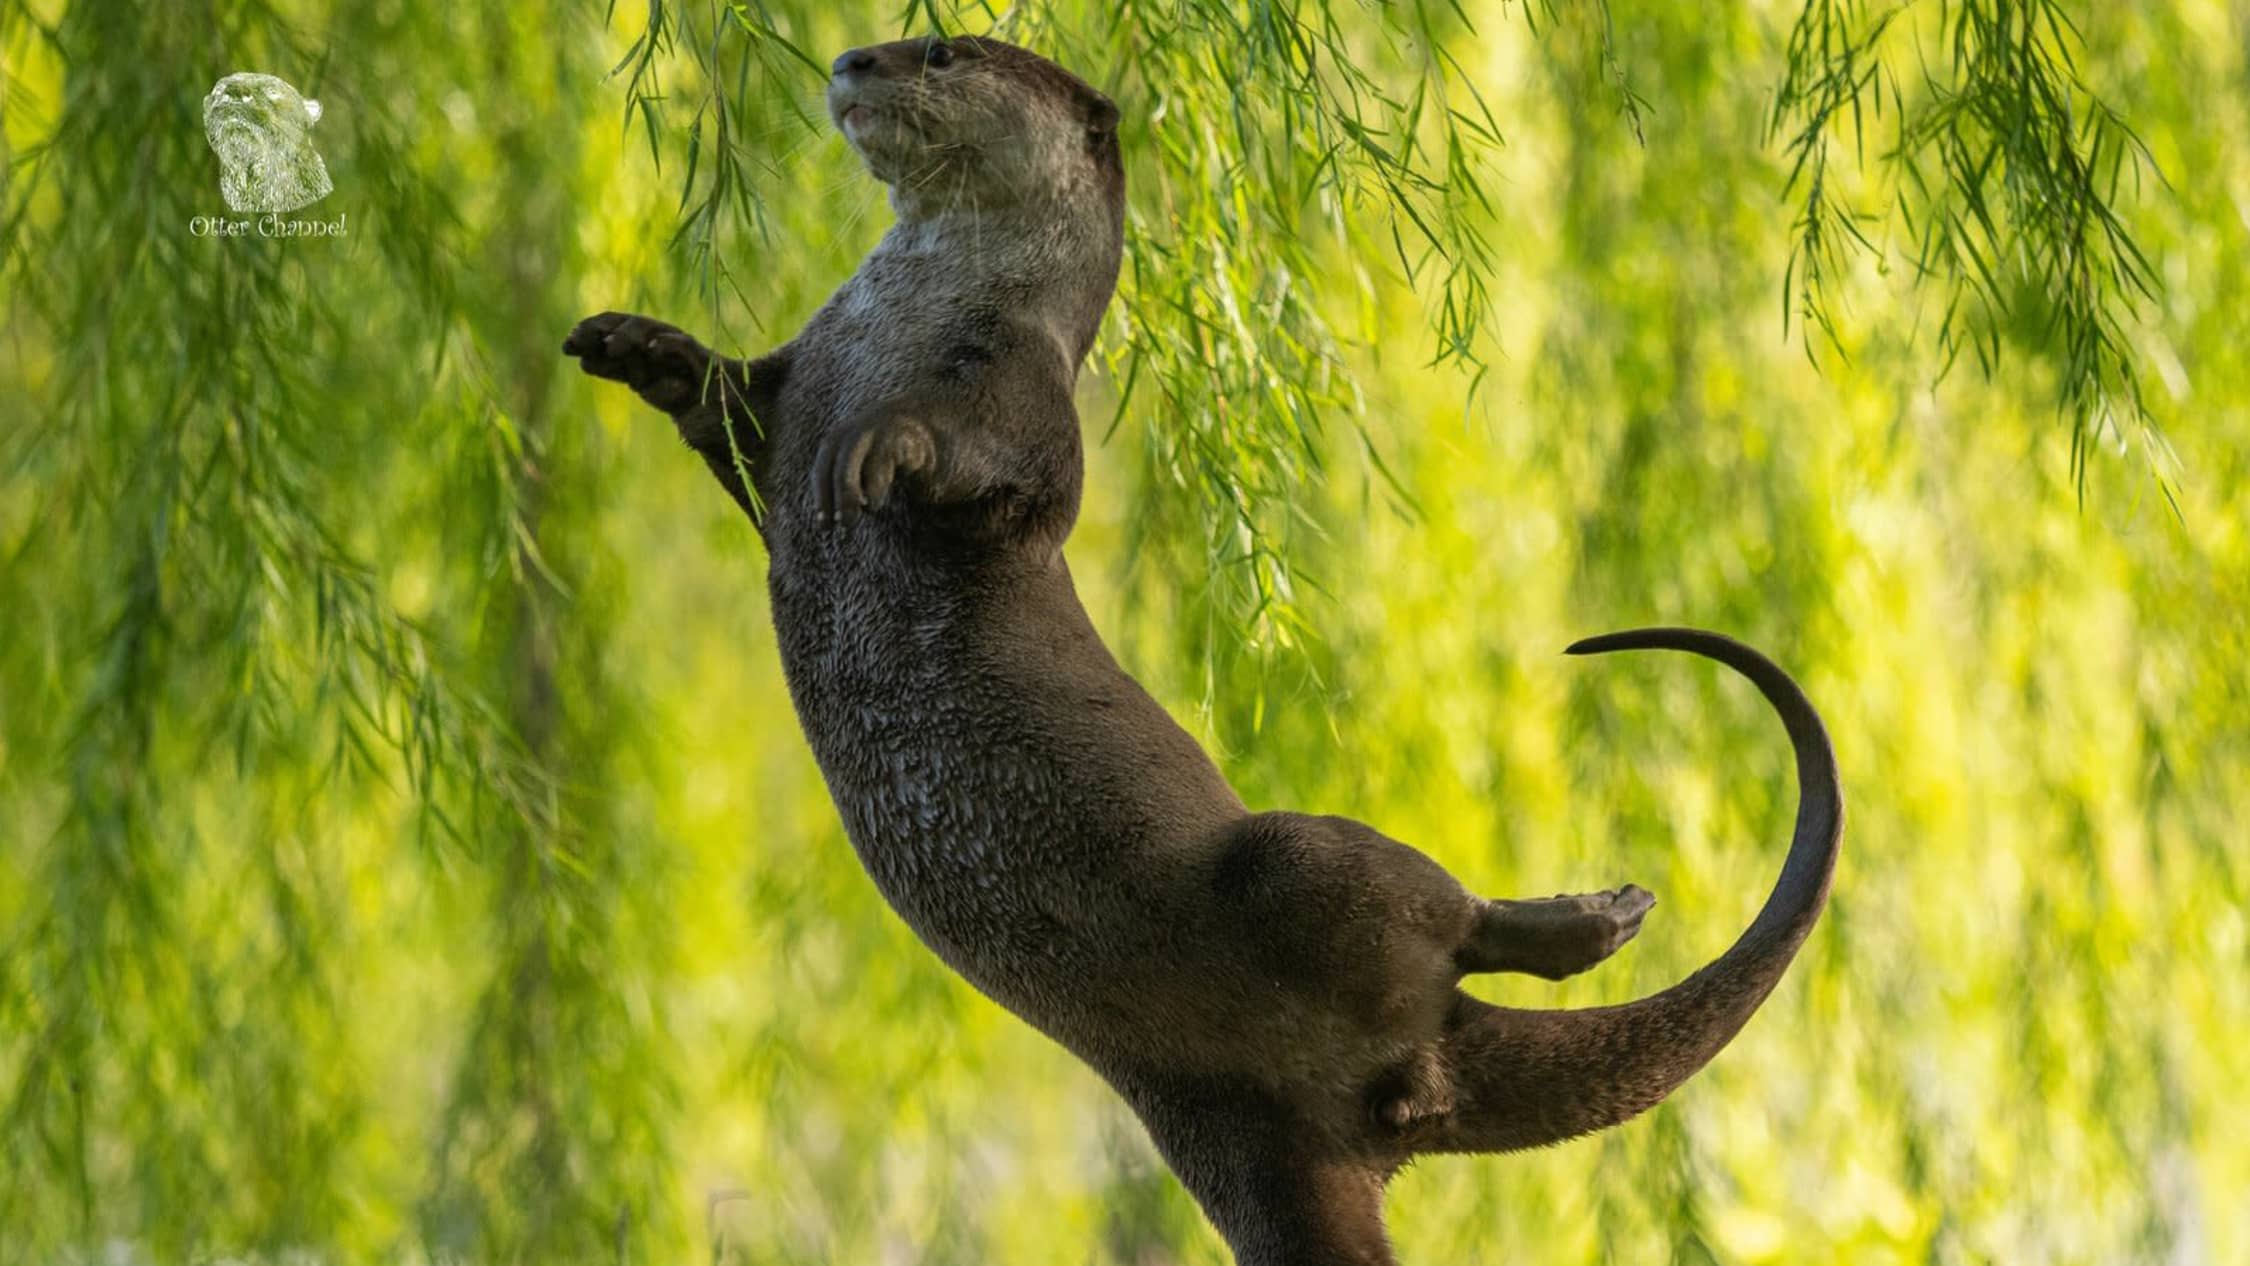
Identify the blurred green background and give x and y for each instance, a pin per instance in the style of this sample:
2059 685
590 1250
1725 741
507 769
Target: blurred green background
407 852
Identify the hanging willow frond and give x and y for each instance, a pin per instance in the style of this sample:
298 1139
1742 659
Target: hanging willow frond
2005 173
1269 143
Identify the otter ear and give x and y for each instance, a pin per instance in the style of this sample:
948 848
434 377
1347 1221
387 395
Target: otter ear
312 112
1101 114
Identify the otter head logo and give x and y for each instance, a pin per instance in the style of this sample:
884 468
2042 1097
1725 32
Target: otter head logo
262 132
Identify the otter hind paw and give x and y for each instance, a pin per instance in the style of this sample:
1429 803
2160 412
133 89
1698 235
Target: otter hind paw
1555 937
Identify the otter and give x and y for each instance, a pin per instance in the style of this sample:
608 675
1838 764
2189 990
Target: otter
1276 995
260 128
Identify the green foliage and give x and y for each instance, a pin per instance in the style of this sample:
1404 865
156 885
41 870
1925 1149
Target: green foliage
2006 172
407 852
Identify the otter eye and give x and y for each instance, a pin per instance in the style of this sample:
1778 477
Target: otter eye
939 56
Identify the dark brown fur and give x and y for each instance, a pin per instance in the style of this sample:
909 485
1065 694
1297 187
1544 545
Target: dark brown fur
1275 994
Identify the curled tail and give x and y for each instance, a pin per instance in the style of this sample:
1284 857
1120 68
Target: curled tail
1529 1078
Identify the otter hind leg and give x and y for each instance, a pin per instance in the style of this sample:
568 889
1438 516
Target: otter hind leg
1276 1187
1554 937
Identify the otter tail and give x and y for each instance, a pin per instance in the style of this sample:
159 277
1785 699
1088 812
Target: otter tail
1529 1078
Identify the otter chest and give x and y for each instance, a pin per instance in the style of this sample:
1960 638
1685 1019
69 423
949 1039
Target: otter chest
915 314
959 820
937 781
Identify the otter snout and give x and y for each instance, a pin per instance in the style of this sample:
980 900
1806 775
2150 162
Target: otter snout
848 78
897 58
879 96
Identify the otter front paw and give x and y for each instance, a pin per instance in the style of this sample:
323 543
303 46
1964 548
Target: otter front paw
663 363
857 466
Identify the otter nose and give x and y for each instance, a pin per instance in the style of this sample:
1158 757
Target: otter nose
854 62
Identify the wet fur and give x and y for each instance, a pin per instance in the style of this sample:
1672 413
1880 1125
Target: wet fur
1275 994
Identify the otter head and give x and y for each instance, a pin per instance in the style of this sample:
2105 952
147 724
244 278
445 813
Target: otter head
975 124
261 130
